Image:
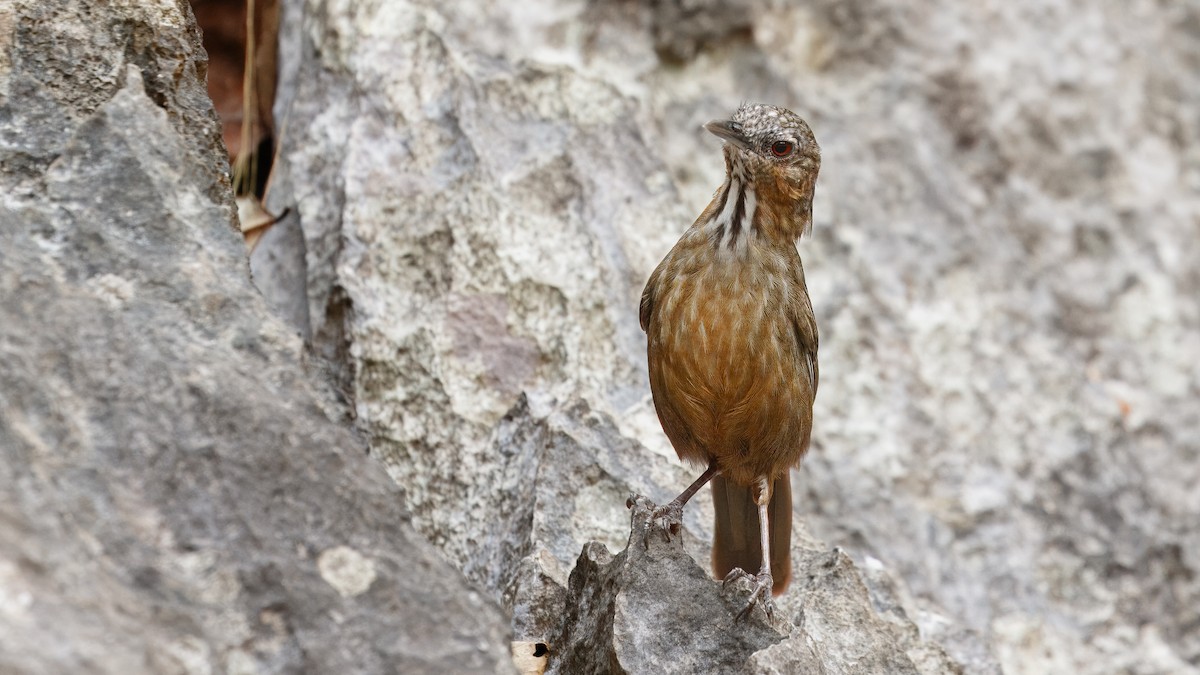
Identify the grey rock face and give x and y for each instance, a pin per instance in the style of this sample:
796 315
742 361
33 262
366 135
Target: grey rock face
177 499
1004 270
651 608
625 612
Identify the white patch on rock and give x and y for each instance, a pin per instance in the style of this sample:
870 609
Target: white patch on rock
190 654
112 289
348 571
15 599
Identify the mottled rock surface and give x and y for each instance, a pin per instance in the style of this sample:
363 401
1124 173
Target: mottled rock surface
1004 267
651 608
176 496
625 612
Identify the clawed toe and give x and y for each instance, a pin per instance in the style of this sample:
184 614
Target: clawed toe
761 592
666 519
734 574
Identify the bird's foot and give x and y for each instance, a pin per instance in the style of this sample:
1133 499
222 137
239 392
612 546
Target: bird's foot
666 519
760 593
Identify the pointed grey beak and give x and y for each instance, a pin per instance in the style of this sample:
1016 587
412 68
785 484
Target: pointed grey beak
729 131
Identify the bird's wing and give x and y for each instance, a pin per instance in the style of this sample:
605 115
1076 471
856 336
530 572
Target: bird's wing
647 304
804 325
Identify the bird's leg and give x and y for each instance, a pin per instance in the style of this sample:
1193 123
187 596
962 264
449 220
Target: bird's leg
763 580
669 516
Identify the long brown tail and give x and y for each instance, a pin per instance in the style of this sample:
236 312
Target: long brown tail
735 533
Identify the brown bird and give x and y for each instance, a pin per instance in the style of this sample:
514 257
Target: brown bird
732 344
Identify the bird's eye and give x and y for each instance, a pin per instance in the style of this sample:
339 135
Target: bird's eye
781 149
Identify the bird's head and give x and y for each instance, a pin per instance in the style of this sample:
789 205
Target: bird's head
773 149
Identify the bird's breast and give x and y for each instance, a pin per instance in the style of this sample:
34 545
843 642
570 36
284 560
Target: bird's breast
724 360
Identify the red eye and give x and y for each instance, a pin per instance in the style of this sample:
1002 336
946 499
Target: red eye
781 149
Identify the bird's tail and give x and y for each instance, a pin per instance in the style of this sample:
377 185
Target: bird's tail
735 532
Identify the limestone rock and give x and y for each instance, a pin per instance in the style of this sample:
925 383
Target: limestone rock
1003 268
177 498
651 608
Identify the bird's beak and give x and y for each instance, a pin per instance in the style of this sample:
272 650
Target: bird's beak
729 131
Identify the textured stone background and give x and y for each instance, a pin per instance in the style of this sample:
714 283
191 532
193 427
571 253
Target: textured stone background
1005 270
178 496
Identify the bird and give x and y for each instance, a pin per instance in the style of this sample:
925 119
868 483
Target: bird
732 345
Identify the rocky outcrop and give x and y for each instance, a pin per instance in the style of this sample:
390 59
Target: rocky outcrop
1003 268
625 612
178 495
1002 264
651 608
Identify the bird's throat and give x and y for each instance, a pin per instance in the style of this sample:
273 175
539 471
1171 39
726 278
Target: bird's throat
732 223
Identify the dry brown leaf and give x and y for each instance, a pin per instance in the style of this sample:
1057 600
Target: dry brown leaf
255 219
